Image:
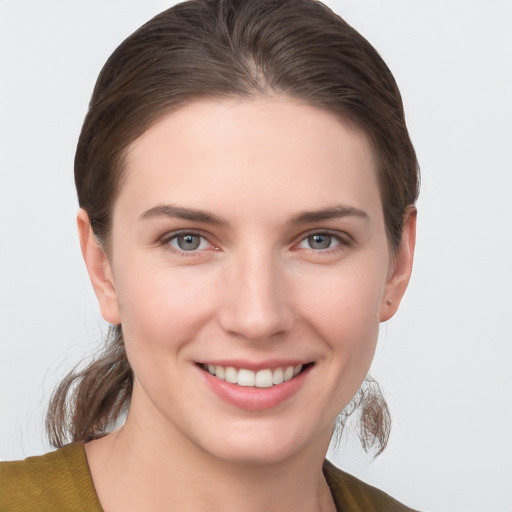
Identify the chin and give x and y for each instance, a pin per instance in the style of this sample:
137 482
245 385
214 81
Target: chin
265 444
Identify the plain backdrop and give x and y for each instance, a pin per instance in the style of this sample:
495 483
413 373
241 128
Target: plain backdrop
444 362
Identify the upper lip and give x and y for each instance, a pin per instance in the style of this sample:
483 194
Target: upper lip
255 365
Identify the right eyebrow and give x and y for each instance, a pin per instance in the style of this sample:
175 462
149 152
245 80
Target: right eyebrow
178 212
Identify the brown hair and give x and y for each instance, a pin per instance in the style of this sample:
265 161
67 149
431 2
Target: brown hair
215 49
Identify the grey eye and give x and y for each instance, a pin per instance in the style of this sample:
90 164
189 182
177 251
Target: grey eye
188 242
320 241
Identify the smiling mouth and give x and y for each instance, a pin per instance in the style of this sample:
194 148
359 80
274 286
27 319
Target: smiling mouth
264 378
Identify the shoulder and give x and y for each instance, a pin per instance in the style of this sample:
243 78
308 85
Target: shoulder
59 480
353 495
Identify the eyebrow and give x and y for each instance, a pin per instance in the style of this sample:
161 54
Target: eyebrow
306 217
167 210
328 213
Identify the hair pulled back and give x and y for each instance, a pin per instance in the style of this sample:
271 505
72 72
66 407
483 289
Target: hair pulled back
217 49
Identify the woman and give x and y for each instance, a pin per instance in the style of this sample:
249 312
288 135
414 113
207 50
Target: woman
246 184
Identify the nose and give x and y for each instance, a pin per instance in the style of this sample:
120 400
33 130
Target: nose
257 304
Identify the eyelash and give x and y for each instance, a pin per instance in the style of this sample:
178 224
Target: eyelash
342 242
165 241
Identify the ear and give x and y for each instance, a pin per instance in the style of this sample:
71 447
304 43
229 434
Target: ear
401 268
99 269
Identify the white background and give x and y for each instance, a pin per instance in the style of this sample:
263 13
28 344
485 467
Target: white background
444 362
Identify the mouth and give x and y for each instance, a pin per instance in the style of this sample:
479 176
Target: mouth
263 378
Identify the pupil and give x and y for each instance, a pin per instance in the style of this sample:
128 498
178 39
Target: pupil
320 241
188 242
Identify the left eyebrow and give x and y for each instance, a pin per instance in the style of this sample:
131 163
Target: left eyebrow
328 213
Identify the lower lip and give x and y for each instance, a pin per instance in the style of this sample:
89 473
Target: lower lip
253 398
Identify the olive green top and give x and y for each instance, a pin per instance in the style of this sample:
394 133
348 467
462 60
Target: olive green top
60 481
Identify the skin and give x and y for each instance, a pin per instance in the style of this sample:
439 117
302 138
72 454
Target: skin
254 290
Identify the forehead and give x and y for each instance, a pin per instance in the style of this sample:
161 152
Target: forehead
264 152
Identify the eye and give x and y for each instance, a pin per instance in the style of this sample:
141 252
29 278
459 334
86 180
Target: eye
188 242
320 242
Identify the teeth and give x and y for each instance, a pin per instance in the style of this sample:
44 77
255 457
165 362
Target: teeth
277 376
288 373
231 375
219 372
248 378
263 379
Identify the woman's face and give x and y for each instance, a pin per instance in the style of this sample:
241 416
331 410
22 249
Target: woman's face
248 244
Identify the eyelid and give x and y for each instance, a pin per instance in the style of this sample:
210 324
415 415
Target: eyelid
165 239
343 238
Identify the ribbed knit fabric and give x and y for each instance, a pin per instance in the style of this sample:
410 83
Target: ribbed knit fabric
353 495
60 481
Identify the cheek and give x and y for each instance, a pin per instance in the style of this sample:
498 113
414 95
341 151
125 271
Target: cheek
343 307
341 312
162 308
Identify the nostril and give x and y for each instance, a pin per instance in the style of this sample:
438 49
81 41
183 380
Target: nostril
258 323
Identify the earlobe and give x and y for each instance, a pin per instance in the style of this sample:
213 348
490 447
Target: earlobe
99 269
402 267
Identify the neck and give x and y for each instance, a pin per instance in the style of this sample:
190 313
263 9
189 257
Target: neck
135 471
